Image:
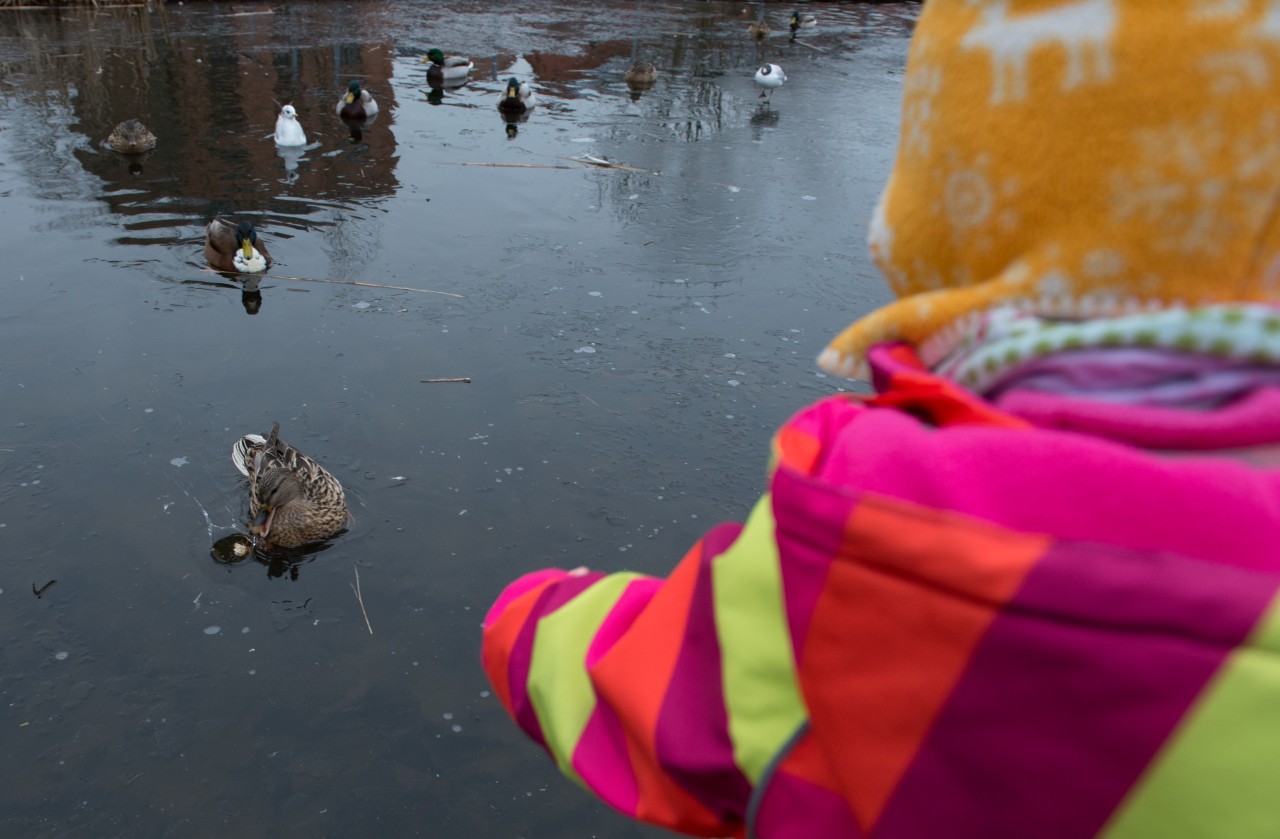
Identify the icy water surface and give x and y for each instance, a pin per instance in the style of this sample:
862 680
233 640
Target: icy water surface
632 336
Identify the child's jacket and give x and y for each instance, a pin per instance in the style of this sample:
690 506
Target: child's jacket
938 621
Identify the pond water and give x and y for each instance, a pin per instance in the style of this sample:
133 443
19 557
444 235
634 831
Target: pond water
632 337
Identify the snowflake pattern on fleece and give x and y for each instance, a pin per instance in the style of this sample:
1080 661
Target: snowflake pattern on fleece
1077 159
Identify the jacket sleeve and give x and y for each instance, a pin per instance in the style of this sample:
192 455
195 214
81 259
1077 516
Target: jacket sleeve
625 681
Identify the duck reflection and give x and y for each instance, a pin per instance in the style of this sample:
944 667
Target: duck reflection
251 296
291 155
356 126
512 130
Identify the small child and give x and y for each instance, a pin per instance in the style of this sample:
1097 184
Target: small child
1028 587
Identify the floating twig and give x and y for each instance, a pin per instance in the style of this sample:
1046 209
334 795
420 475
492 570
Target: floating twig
361 283
601 163
360 600
39 591
810 46
249 14
520 165
463 379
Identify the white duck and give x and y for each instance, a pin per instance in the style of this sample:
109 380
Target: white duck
288 130
770 77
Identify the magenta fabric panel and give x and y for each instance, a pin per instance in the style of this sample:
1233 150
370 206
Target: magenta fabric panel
552 597
1072 692
518 587
603 761
793 808
809 518
1067 485
692 737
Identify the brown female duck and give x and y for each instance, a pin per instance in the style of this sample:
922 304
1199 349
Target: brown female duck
292 499
131 137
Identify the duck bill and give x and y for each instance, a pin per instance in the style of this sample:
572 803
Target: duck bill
247 248
261 524
349 98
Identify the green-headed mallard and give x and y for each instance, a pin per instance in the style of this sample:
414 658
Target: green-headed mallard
758 31
444 69
799 21
292 499
288 130
356 103
517 98
642 75
235 248
131 137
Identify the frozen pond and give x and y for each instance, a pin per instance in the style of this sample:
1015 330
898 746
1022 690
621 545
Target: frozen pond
632 335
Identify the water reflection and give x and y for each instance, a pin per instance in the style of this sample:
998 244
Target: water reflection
210 91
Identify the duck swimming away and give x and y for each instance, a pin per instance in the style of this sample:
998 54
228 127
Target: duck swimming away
292 499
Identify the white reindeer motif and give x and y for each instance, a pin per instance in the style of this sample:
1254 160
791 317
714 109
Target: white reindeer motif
1083 28
1269 26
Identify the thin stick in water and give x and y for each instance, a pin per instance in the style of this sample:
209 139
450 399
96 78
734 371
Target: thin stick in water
361 283
463 379
360 600
520 165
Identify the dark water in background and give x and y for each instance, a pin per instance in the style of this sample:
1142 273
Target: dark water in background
633 339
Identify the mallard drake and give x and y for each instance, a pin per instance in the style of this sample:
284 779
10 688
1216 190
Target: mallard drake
131 137
356 103
517 98
770 77
288 130
292 499
758 31
642 74
799 21
235 248
444 69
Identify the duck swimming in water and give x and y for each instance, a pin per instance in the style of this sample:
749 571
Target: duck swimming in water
642 75
288 130
131 137
517 98
758 31
235 248
356 103
799 21
292 499
442 69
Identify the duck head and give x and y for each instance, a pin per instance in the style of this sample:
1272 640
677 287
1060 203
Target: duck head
247 237
276 488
